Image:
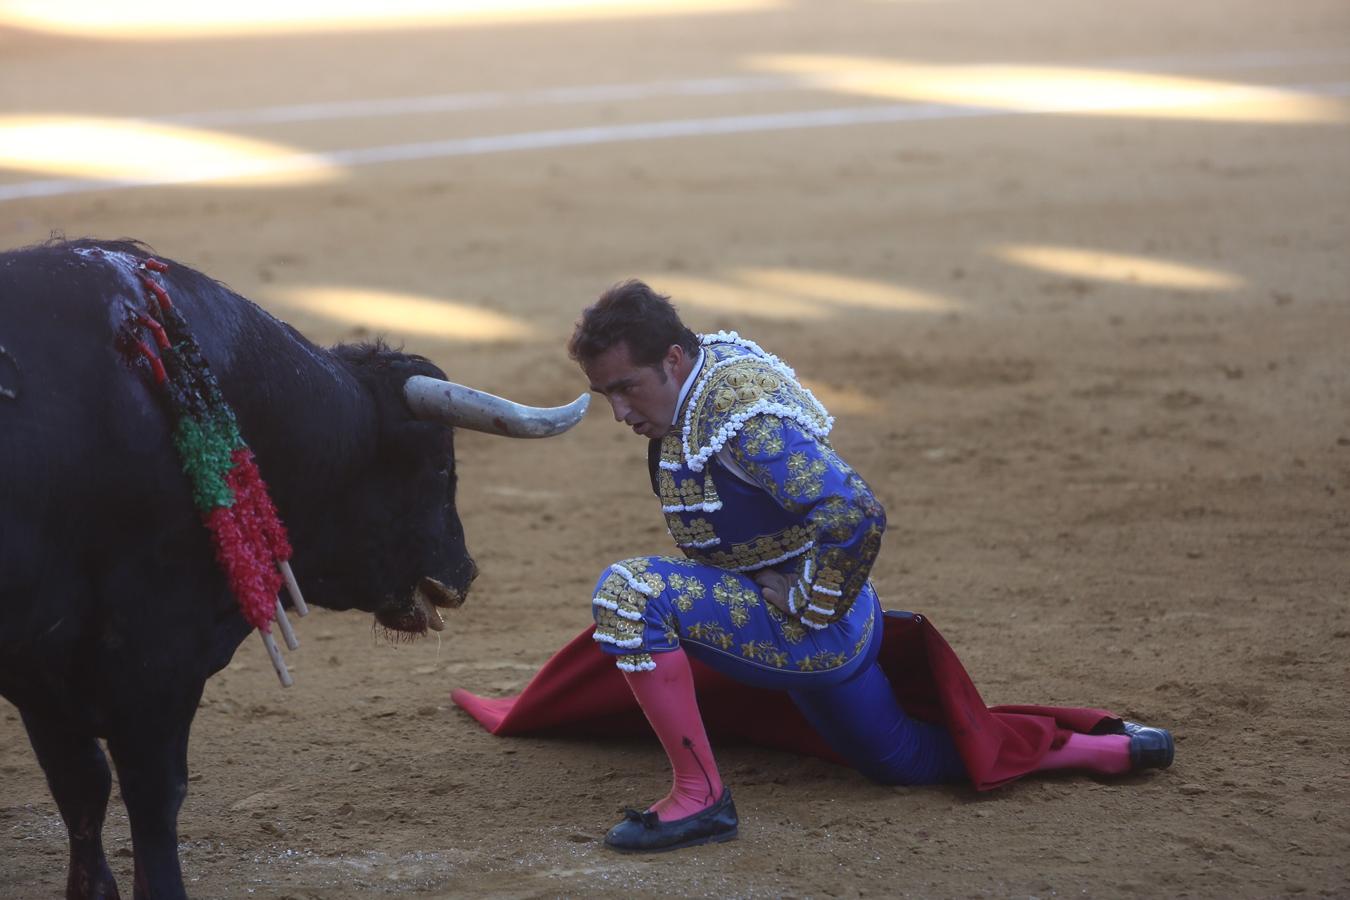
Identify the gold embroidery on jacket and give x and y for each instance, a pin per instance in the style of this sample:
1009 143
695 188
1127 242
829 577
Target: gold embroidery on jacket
687 534
762 436
725 393
688 493
710 495
672 450
805 482
757 552
837 518
665 485
830 578
763 475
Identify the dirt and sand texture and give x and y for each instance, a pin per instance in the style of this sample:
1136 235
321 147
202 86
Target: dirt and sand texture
1095 362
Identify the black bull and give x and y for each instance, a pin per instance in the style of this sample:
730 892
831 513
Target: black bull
113 611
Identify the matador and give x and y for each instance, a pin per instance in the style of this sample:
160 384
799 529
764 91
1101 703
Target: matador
777 537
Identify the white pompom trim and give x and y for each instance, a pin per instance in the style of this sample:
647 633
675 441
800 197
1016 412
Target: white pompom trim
628 644
732 337
618 610
644 589
694 507
776 560
733 425
825 590
811 607
700 545
645 666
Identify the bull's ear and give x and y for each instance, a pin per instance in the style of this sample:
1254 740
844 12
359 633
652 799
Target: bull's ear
463 407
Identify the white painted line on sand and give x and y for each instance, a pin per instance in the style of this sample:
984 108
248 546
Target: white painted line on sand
639 131
691 87
439 103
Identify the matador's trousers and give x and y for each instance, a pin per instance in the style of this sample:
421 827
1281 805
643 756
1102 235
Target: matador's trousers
654 604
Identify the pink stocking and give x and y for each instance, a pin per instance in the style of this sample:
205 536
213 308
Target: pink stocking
1107 754
666 695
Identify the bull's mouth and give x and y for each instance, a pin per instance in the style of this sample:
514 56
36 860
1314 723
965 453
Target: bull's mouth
419 612
439 594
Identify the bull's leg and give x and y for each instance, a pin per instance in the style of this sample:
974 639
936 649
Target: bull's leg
151 759
77 773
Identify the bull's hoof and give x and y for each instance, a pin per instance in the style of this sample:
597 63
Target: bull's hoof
91 881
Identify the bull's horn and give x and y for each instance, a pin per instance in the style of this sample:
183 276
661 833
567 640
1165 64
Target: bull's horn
454 404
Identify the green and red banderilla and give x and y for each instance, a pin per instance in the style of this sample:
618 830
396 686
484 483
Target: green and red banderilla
250 541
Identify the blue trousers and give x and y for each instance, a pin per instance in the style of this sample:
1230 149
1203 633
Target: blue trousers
656 604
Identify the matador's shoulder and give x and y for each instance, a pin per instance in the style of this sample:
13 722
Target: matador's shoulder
740 380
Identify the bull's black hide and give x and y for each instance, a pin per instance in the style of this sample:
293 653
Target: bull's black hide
112 611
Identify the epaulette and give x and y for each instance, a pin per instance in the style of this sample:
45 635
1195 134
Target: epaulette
740 380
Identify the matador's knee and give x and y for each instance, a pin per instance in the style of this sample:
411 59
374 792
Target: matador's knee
632 614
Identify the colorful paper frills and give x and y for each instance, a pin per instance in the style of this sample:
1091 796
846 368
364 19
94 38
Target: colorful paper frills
250 541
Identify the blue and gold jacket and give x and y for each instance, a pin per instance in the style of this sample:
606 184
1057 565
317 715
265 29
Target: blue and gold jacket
748 480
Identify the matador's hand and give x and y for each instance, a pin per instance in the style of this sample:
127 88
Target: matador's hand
774 586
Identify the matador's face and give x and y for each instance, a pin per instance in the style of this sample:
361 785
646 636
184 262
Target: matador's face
642 397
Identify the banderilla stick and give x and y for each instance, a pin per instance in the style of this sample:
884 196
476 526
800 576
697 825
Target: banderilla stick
275 655
293 589
287 632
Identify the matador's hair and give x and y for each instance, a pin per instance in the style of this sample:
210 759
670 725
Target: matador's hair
633 313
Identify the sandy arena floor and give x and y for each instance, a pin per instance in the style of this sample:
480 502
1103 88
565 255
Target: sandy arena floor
1072 276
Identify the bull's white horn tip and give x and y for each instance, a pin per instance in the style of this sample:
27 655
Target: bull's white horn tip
457 405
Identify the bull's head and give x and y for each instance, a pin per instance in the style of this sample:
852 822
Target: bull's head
403 550
438 400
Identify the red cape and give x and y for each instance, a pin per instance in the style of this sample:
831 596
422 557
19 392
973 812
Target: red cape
580 692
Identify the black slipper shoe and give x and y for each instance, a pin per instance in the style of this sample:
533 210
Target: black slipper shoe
1150 748
644 832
